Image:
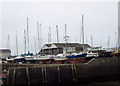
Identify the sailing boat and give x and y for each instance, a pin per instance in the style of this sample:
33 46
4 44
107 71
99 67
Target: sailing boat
26 57
43 58
92 53
77 57
9 58
60 58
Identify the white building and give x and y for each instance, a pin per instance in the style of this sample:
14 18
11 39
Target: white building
58 48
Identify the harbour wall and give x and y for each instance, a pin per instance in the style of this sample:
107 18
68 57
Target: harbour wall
96 70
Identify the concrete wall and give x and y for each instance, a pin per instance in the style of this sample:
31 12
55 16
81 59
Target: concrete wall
98 69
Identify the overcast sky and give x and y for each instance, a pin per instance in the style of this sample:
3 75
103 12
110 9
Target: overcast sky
100 21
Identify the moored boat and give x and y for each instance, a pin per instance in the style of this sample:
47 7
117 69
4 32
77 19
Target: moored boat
76 57
19 59
43 58
10 59
60 58
92 54
24 58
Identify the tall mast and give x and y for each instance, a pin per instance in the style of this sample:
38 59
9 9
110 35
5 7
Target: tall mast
25 41
8 42
50 35
119 27
57 38
65 39
48 38
28 33
57 34
91 42
108 42
16 44
38 35
35 44
80 36
118 39
83 31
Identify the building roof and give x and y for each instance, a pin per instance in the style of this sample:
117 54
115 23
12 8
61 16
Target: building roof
71 45
5 51
85 45
48 45
61 45
67 44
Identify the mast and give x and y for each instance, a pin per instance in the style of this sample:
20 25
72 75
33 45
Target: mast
65 39
25 41
48 38
57 38
91 42
38 35
35 45
83 31
108 42
28 33
40 38
119 27
118 39
8 42
57 34
16 44
50 35
80 38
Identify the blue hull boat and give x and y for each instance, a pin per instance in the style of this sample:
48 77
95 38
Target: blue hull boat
77 56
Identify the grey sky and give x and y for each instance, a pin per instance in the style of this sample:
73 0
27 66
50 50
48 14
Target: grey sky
100 19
